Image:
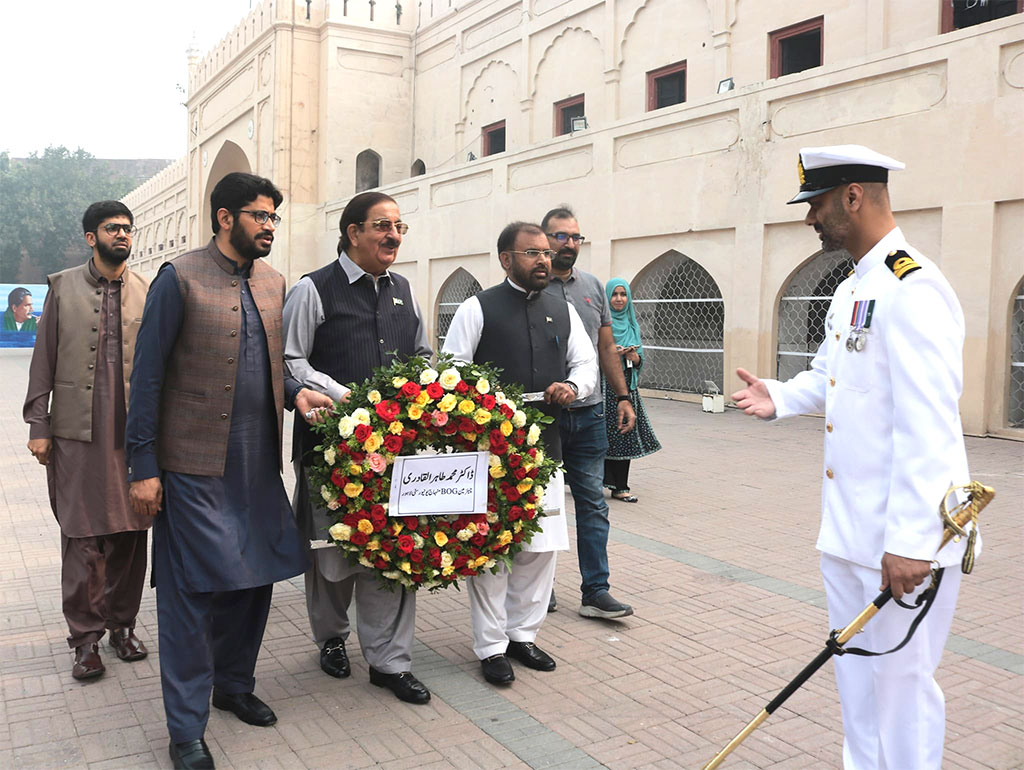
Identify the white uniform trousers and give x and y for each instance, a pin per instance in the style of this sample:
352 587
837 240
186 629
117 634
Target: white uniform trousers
894 713
510 605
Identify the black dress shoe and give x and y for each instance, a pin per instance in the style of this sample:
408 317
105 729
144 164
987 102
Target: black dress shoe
191 755
552 602
531 656
404 685
497 669
334 659
246 707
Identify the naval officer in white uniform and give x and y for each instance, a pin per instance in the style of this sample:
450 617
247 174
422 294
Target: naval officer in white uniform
888 378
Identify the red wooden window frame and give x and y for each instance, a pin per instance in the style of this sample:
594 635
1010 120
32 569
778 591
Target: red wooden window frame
485 134
652 86
560 107
947 15
775 43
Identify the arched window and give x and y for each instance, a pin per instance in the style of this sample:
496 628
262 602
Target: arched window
419 168
1015 414
682 322
459 287
367 170
802 308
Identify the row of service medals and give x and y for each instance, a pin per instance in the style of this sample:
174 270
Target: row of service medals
860 322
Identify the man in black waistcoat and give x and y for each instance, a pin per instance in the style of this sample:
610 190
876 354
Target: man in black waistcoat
340 322
539 340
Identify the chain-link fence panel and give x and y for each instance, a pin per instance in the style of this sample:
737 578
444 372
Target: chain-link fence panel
802 309
682 321
1015 413
459 287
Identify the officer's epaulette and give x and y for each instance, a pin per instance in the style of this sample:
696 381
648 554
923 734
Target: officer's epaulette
901 264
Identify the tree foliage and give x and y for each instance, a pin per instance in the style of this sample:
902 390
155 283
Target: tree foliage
43 199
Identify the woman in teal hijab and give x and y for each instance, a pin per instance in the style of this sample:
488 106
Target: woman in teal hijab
640 441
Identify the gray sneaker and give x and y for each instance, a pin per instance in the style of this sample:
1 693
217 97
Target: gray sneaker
604 606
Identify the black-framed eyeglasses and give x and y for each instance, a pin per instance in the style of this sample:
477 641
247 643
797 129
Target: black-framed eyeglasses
384 225
113 228
261 217
563 237
534 253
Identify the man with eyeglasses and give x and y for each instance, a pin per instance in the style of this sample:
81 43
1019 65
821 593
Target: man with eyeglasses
75 407
539 341
582 423
204 438
340 322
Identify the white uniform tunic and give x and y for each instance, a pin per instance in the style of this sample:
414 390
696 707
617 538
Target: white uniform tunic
893 446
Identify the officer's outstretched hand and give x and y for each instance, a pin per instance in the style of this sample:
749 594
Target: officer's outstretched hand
754 399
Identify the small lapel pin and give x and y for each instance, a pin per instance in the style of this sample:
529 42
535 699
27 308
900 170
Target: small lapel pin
397 301
548 319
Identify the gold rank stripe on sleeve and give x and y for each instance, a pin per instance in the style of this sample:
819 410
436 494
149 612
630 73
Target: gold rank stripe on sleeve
901 264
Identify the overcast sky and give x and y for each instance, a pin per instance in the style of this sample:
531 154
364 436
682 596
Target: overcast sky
103 75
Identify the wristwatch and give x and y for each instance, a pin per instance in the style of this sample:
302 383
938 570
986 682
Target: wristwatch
620 399
572 385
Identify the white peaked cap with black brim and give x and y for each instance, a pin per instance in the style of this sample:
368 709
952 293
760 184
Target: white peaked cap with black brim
824 168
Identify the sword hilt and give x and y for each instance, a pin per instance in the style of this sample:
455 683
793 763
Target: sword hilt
955 520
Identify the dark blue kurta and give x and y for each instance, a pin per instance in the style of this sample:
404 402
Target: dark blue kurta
220 533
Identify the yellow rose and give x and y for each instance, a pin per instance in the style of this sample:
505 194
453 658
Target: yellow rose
373 545
506 428
449 378
405 566
468 436
466 406
355 470
447 570
497 472
365 526
483 386
373 442
447 403
415 412
441 539
505 537
479 561
517 526
399 381
384 555
396 427
524 486
481 417
353 489
423 398
373 396
396 527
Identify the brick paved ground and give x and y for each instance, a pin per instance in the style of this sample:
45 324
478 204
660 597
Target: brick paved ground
717 559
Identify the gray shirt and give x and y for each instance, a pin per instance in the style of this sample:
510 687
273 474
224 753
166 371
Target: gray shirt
585 293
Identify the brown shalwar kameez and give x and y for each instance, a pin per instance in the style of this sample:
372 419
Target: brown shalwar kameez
103 541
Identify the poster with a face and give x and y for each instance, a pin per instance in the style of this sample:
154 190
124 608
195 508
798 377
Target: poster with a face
22 309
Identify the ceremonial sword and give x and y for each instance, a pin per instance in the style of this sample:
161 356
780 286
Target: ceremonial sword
954 523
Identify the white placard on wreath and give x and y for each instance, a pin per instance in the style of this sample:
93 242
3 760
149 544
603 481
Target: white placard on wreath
439 484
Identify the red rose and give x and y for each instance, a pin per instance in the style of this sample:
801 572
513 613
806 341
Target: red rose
533 473
530 514
417 577
478 539
338 478
380 564
378 519
451 428
416 556
409 435
507 411
358 457
514 460
515 513
519 473
393 443
517 537
368 495
461 387
435 557
460 561
531 498
405 543
351 519
358 538
499 447
466 425
479 428
362 432
387 544
410 390
388 410
497 436
435 391
344 449
377 510
367 476
512 494
489 402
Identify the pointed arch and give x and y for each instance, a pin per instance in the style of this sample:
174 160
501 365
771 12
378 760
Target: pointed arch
229 158
368 164
682 323
1015 407
419 168
457 288
801 307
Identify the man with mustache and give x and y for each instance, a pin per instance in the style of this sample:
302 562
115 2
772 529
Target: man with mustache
888 377
77 398
540 342
341 322
582 424
204 440
18 316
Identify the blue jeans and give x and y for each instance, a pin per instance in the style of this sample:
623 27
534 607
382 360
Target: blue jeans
584 445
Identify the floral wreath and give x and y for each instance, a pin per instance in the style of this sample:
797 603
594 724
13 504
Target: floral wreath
401 410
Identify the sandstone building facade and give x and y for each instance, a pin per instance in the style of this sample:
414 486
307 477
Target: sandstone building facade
670 126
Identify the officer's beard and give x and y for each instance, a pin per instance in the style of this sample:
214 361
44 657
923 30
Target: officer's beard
116 255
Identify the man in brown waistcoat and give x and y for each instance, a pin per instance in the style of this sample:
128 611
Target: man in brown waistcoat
75 408
204 455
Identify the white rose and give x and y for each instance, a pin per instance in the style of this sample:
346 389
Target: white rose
360 415
398 381
533 434
519 419
464 535
417 540
492 518
539 458
340 532
428 376
366 562
483 386
450 378
499 396
345 426
326 494
446 559
329 455
483 445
